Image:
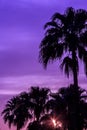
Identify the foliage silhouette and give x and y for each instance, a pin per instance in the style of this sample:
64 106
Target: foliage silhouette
26 107
16 111
66 39
39 106
34 125
70 107
39 98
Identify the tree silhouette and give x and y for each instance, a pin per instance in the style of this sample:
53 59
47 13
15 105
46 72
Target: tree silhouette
70 107
34 125
27 106
16 111
39 98
66 39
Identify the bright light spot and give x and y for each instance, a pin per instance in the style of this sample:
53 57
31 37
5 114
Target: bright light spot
54 122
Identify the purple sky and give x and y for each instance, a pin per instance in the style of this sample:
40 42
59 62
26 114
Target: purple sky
21 31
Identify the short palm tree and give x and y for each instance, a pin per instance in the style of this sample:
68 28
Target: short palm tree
16 111
66 39
70 107
39 98
27 106
8 112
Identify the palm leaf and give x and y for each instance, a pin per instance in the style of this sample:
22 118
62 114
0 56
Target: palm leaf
58 16
83 38
81 51
85 62
52 24
50 52
81 16
67 65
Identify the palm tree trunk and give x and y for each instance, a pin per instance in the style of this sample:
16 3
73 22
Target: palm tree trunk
74 117
75 79
18 127
75 75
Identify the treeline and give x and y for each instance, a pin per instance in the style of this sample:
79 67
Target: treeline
42 109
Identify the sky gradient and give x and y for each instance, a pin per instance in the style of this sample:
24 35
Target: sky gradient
21 31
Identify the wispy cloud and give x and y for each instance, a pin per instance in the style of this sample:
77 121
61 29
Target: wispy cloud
14 85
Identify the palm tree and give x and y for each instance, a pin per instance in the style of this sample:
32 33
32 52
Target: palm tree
70 107
39 98
16 111
58 106
27 106
66 39
8 112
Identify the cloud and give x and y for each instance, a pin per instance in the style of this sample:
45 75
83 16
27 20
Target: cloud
14 85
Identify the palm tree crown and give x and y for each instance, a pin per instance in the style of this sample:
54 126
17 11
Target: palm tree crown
70 106
65 39
39 98
16 111
27 106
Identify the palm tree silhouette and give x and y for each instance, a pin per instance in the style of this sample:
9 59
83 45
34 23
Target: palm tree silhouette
39 98
27 106
70 107
16 111
66 39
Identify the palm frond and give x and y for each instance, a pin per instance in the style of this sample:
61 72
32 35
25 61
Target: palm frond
81 51
83 38
52 31
58 16
81 16
67 65
69 15
85 62
51 24
50 52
